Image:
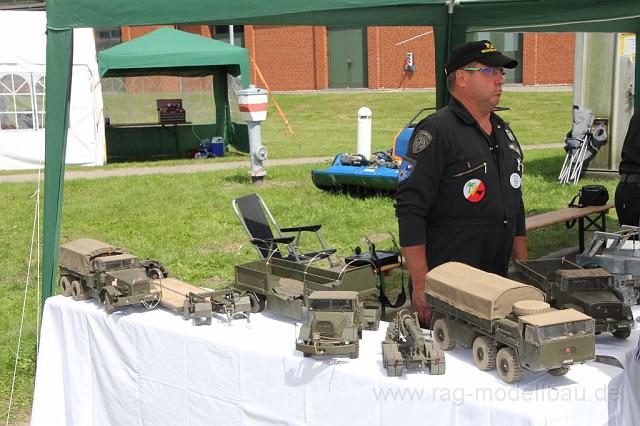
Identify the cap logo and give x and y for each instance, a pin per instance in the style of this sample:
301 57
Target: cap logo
489 47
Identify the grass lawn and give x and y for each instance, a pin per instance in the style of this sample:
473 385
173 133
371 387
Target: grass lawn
186 221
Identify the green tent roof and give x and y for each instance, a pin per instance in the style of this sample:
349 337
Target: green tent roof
171 52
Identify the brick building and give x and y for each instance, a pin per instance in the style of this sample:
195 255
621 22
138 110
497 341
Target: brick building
315 58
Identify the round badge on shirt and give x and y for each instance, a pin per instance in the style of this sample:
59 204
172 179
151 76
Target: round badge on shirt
515 180
474 190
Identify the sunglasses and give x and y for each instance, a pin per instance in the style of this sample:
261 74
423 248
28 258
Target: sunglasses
494 72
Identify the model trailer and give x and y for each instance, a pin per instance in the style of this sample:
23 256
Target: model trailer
590 291
93 269
406 346
201 305
283 286
507 324
334 326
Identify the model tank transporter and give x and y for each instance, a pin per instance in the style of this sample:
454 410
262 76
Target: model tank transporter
93 269
507 324
335 324
590 291
619 254
406 346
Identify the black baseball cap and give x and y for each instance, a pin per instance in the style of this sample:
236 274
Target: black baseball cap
482 51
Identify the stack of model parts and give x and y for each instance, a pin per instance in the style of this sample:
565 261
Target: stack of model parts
581 144
201 305
405 346
93 269
283 286
590 291
619 254
507 324
334 327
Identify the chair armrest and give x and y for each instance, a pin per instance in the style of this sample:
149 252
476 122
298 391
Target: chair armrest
310 228
283 240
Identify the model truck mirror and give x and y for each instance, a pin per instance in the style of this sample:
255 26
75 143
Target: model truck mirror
507 324
93 269
590 291
405 346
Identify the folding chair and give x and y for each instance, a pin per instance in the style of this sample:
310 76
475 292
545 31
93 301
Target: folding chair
251 210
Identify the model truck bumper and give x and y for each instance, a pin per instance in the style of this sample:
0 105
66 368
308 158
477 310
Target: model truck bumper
152 297
326 349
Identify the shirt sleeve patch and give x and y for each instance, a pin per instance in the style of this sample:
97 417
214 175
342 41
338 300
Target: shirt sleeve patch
407 167
421 141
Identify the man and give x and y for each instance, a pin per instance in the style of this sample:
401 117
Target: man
459 192
628 190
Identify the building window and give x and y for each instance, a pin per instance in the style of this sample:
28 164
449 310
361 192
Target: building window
221 32
21 104
107 37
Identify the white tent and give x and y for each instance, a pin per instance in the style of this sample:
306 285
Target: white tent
22 83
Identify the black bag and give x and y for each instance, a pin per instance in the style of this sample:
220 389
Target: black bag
591 195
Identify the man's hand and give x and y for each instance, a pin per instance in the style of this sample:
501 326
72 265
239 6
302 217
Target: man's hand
421 307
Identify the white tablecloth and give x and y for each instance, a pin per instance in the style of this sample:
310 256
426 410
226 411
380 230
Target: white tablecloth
139 367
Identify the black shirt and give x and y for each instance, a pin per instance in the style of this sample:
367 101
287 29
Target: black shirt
455 197
630 163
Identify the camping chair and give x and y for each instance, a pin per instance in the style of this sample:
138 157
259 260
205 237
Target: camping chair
251 210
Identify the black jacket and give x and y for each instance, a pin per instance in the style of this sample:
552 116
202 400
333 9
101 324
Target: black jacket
459 190
630 163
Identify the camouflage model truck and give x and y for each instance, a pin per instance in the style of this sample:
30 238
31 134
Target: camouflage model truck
590 291
334 326
93 269
507 324
405 346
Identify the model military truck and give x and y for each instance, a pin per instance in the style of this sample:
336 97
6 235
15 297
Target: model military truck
91 268
507 324
619 254
406 346
590 291
334 326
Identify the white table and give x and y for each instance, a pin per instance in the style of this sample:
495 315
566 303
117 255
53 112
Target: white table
141 367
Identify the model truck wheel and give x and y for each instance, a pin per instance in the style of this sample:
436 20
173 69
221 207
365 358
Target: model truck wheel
557 372
65 286
622 334
442 334
355 353
484 353
78 291
106 302
508 367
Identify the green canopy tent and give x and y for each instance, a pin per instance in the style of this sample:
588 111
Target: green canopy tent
451 20
177 53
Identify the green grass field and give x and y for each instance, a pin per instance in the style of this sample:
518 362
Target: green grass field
186 221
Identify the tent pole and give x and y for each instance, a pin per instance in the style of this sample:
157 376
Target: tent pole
58 92
636 97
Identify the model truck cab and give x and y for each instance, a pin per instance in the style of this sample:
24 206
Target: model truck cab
507 324
91 268
334 326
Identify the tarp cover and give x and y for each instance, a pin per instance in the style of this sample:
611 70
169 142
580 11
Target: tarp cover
22 58
554 317
77 255
488 296
171 52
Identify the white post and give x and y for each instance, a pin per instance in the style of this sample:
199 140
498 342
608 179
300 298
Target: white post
364 132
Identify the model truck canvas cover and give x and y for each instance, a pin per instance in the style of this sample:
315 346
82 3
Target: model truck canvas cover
78 255
487 296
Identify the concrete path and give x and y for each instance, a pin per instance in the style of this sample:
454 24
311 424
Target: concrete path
192 168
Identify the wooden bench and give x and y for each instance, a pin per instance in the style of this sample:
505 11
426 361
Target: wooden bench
594 215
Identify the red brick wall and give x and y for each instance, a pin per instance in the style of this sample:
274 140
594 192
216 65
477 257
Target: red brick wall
386 60
289 57
548 58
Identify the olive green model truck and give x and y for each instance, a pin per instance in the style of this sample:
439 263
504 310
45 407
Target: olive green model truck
334 326
507 324
93 269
